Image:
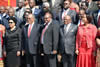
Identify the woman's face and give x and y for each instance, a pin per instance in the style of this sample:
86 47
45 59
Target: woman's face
11 23
84 19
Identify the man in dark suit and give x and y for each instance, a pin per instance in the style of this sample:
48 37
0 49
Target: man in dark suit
66 11
67 42
96 15
92 6
35 10
20 9
49 40
30 41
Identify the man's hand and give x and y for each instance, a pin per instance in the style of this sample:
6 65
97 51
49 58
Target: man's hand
4 53
18 53
54 51
77 52
59 57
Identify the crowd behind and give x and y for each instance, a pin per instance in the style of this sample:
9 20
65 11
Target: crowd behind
51 33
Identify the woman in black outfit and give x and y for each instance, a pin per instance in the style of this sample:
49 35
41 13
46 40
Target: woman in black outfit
12 44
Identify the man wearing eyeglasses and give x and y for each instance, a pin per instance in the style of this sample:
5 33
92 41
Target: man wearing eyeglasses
49 41
66 11
31 41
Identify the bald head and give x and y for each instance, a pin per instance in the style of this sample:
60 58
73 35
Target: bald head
31 18
20 3
67 19
32 3
2 9
11 12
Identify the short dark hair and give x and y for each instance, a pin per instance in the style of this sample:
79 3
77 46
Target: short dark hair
29 10
89 18
49 13
14 19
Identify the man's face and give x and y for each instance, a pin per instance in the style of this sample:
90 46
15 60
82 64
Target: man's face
20 4
32 4
66 4
11 12
67 20
47 18
30 19
2 10
81 13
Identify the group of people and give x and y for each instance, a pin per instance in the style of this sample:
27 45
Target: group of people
55 33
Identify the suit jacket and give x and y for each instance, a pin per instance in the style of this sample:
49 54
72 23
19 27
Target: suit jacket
20 12
92 8
56 8
95 15
57 3
71 13
77 1
51 37
30 44
91 33
67 41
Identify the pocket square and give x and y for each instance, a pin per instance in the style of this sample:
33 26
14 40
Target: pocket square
72 31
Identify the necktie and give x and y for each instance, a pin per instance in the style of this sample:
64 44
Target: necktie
63 14
99 21
29 30
43 31
65 29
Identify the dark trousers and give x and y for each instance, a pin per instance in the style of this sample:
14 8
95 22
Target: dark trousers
68 60
50 61
32 60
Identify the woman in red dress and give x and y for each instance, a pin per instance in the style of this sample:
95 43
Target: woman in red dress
85 43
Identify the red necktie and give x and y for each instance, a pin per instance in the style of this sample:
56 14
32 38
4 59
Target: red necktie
29 30
99 21
64 15
43 31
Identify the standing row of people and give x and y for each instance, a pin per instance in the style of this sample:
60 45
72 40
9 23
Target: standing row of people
40 35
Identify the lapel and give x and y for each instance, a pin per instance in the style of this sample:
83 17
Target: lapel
62 30
33 29
90 6
26 31
60 15
69 12
71 26
50 26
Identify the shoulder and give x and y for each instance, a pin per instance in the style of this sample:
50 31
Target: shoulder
55 22
93 26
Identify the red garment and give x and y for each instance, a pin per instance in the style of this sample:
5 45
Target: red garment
1 42
85 43
29 30
85 57
91 32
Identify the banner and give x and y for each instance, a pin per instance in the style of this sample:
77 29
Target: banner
8 3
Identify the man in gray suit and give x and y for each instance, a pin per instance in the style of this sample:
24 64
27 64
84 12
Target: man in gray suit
31 41
49 40
67 42
92 6
66 11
